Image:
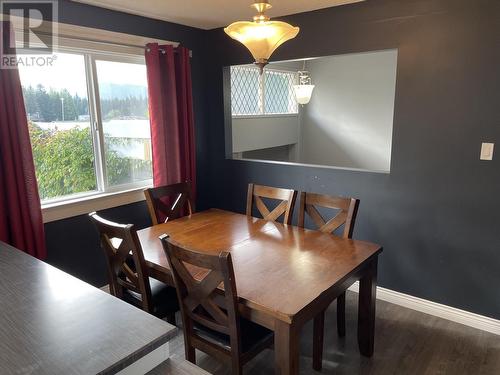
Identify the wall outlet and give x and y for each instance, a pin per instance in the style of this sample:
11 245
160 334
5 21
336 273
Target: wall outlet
487 151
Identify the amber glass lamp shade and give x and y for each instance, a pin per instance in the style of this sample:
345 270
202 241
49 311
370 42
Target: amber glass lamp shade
261 38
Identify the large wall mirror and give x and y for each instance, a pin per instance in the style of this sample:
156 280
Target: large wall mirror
346 122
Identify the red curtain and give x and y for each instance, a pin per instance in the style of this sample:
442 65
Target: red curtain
21 223
171 114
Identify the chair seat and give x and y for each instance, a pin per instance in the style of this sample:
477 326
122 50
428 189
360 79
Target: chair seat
251 334
164 298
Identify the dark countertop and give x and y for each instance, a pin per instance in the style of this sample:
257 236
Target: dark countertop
177 366
53 323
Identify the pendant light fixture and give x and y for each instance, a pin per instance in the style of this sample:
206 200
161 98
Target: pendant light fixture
262 36
303 91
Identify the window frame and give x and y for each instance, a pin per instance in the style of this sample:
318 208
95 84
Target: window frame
103 189
262 94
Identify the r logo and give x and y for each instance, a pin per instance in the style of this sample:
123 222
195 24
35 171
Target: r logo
33 24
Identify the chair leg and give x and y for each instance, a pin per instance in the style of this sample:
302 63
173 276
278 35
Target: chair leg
237 369
341 315
190 353
171 318
318 334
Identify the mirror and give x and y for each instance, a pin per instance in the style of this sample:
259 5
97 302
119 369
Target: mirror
347 122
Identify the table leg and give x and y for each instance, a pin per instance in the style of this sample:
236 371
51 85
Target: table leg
318 335
366 309
286 348
341 315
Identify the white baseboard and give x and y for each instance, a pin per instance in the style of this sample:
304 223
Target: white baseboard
436 309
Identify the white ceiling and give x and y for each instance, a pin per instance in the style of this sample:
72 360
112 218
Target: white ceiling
209 14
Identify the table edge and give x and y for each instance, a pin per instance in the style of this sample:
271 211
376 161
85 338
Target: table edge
141 352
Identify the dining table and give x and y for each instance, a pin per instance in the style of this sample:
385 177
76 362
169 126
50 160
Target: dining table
285 275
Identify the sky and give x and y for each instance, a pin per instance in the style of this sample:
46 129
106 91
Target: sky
68 71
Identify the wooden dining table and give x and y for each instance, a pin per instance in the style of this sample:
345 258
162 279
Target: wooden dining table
285 275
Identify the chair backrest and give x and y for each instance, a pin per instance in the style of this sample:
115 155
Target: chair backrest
202 301
125 259
285 207
168 202
347 210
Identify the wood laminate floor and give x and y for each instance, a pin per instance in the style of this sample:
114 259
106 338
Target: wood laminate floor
406 342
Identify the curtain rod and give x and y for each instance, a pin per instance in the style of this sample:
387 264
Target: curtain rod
163 51
122 44
112 43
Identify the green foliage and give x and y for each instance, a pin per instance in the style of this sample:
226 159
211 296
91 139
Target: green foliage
124 107
122 170
64 161
47 106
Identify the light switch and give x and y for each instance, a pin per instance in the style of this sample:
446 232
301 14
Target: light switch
487 151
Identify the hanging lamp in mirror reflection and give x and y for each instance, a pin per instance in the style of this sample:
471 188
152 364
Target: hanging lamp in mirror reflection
262 36
303 91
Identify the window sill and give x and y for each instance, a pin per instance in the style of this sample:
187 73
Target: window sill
83 205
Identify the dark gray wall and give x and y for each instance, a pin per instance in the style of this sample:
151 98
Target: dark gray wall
72 243
437 213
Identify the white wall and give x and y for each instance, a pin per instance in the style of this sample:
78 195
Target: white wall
348 122
255 133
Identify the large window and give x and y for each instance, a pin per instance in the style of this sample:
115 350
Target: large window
124 115
88 122
271 93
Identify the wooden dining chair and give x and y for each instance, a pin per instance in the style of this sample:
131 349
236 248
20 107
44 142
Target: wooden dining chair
285 207
127 271
347 209
168 202
210 316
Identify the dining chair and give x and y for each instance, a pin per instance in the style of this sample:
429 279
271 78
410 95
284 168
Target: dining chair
210 315
168 202
347 209
285 207
127 271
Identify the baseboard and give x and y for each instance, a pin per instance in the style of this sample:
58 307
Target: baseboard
436 309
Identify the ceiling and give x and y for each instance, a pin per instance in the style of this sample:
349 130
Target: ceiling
209 14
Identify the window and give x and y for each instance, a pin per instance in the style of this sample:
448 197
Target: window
245 91
279 96
88 122
271 93
124 114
